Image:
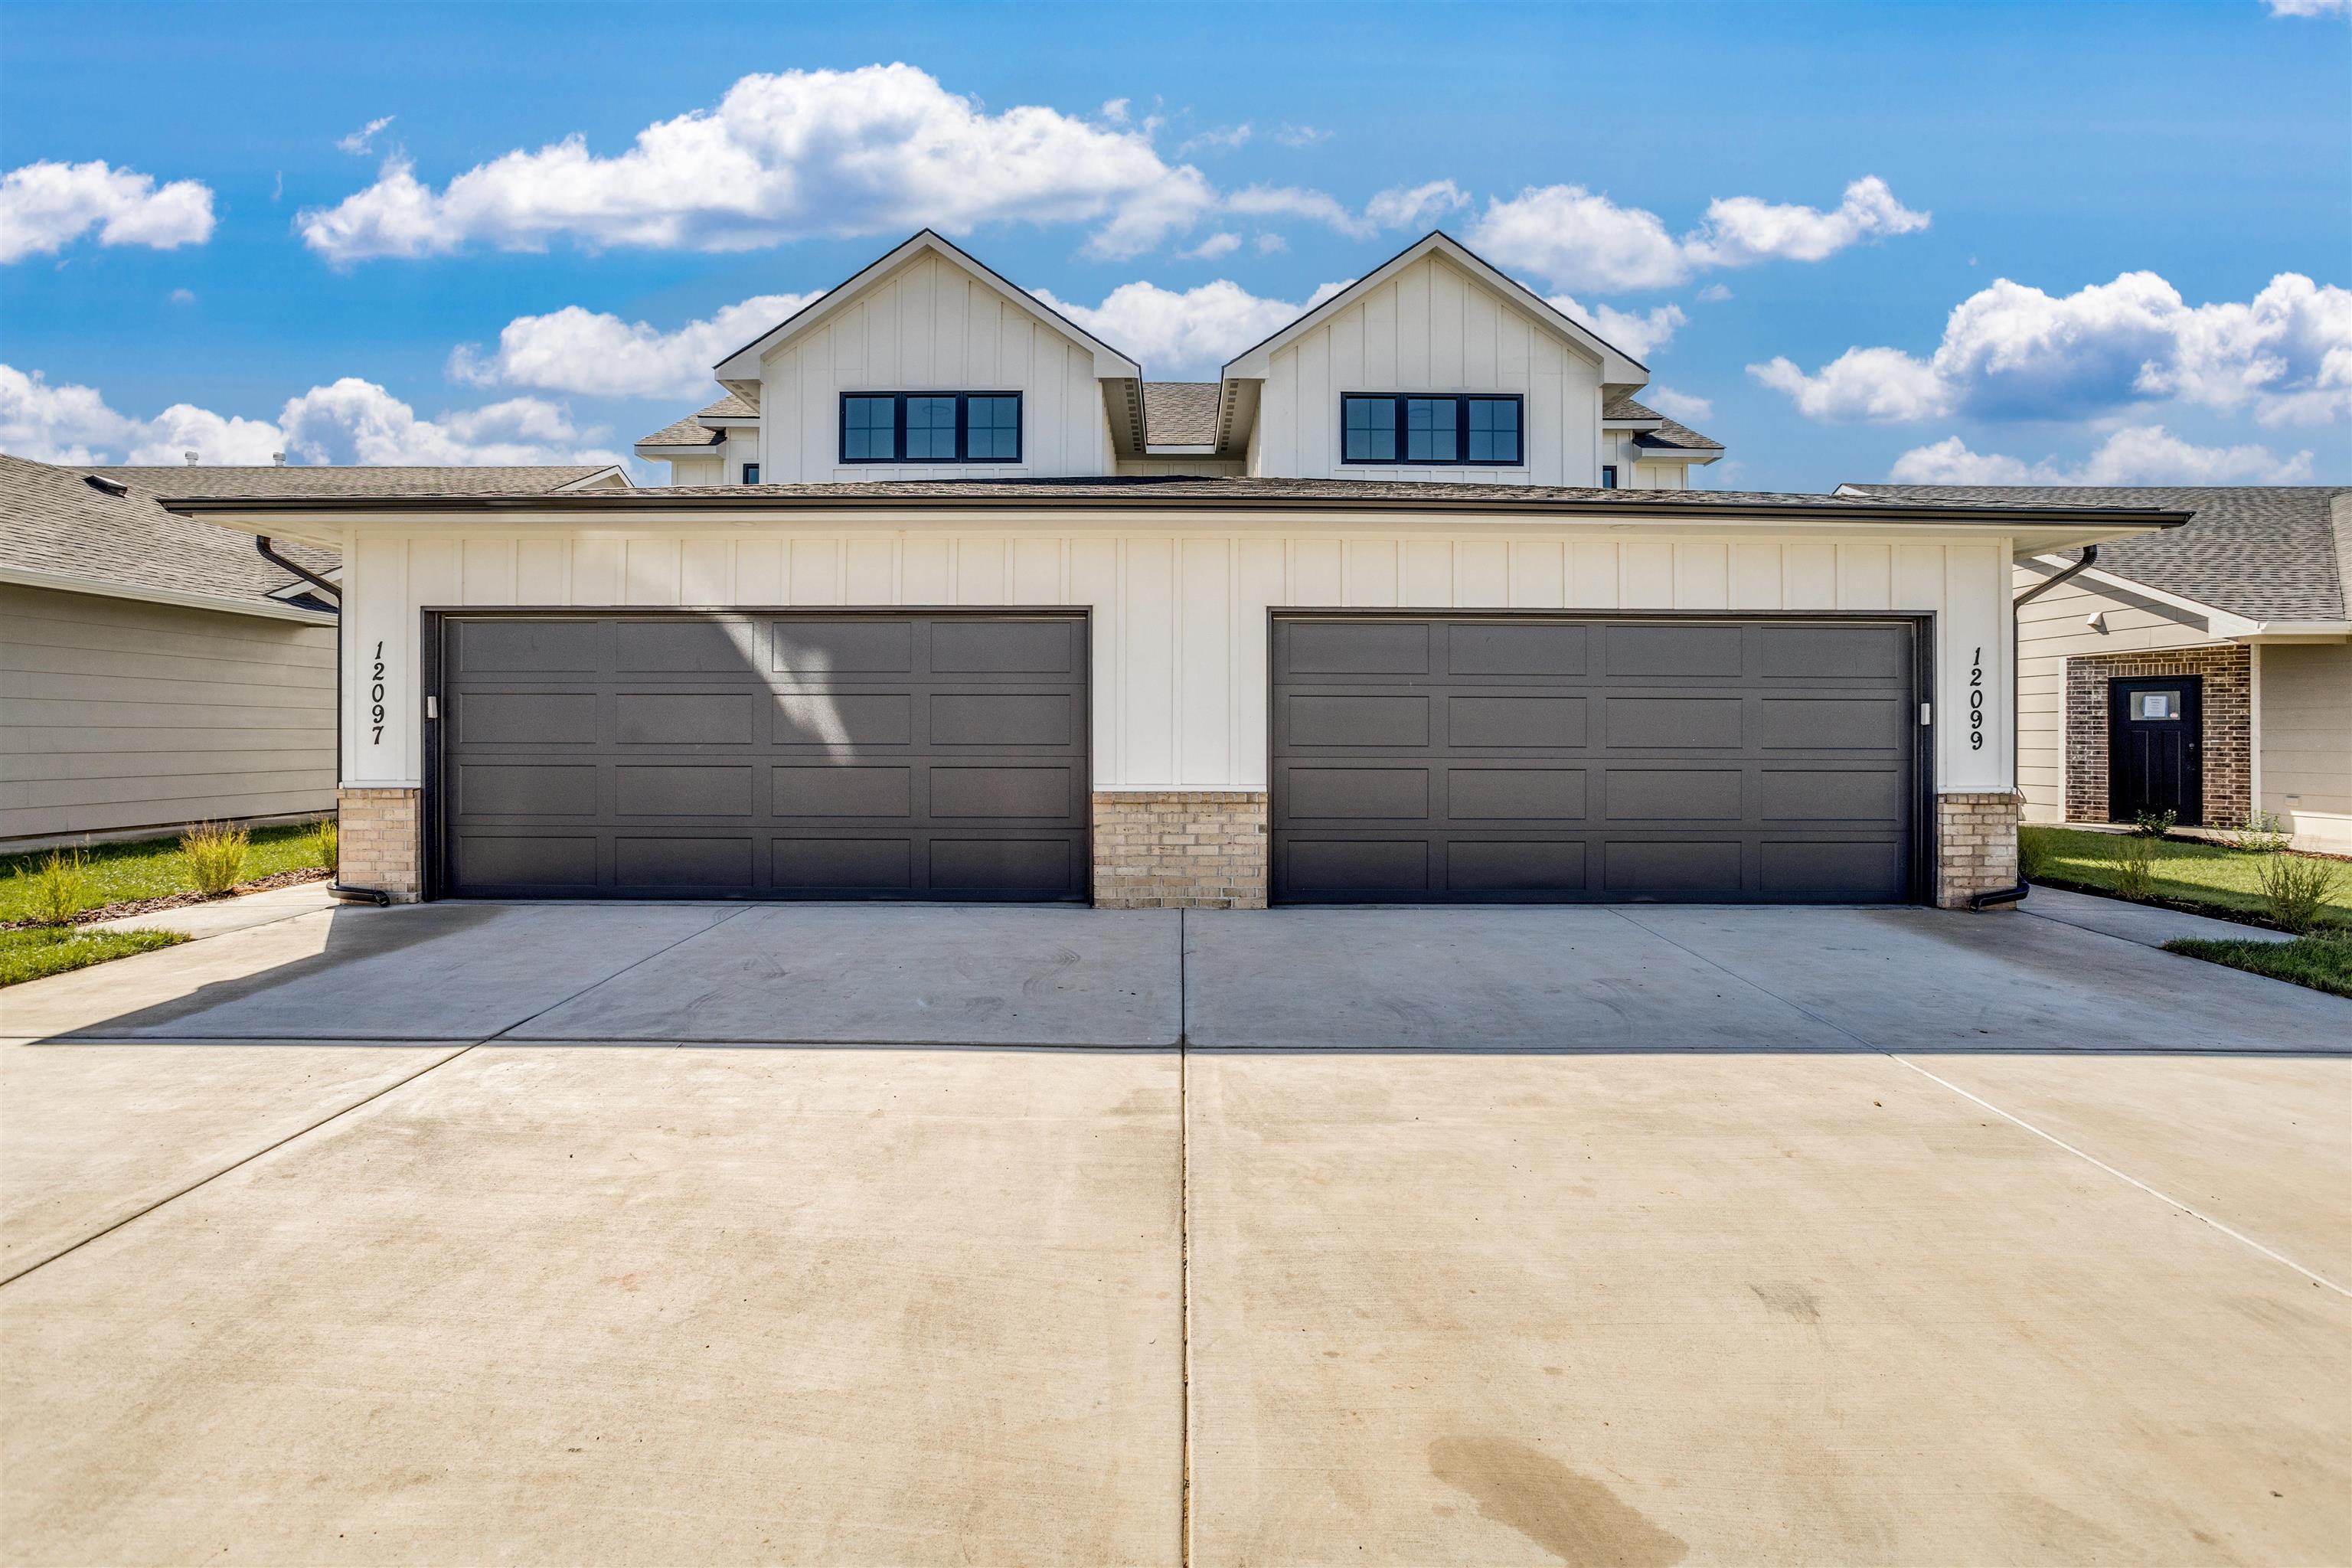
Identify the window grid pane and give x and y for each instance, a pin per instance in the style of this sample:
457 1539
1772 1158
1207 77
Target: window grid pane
930 428
1370 429
867 428
1429 429
993 430
1493 430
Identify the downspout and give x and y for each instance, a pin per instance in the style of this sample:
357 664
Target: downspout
2090 553
335 889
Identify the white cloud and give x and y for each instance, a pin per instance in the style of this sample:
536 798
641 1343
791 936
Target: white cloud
1580 238
359 142
1417 207
1677 405
1637 334
1301 136
1216 245
183 296
595 353
45 207
2014 352
1713 294
1191 333
881 149
2311 7
1224 138
2136 454
349 421
1269 243
1114 110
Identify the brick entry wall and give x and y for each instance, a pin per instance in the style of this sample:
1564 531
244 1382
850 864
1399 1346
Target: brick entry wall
1167 849
1975 845
378 844
2228 670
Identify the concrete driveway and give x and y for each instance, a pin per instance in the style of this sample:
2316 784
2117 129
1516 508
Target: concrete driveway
1641 1235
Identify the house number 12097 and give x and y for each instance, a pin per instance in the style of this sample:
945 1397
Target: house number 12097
1976 700
375 698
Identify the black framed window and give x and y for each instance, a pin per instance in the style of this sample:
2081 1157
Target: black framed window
1484 431
751 473
931 427
1608 476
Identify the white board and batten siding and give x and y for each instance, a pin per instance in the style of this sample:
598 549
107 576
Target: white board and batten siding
930 327
1431 329
1179 617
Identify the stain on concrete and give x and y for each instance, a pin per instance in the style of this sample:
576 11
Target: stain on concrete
1573 1517
1791 1301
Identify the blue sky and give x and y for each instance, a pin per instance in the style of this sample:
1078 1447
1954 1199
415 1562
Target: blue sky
2100 242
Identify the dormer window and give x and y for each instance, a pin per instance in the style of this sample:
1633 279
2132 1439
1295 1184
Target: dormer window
1463 431
931 427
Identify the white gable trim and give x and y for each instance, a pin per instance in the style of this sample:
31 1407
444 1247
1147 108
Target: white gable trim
1617 367
743 365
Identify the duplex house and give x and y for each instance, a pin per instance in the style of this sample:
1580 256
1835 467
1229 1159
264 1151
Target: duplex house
948 601
2206 672
155 670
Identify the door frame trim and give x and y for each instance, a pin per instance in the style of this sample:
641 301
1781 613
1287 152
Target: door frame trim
1926 847
2116 686
433 622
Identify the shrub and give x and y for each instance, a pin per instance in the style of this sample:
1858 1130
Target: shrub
215 856
2033 853
2294 887
326 842
59 886
2262 832
2154 824
2134 864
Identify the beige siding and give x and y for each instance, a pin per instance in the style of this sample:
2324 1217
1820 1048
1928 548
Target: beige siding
2306 741
1179 615
1432 328
930 327
120 714
2055 628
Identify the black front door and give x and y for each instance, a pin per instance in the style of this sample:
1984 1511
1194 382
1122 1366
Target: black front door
2155 731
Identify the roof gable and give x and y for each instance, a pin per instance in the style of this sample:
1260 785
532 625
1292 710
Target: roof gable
743 365
1617 367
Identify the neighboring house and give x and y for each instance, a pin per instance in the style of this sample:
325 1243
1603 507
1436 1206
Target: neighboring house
156 670
1358 622
2207 672
1549 401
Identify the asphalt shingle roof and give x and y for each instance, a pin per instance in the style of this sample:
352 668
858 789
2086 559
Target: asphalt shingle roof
1180 413
1670 434
55 522
692 432
2264 551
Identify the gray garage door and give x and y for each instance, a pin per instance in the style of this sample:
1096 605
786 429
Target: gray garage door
1523 759
764 756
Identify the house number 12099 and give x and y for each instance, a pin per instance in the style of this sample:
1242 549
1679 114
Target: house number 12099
1976 700
375 698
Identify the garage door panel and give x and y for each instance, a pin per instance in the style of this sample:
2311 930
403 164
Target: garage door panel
1569 757
838 718
822 649
1359 793
1482 795
683 718
506 789
682 789
524 719
835 755
824 791
1516 724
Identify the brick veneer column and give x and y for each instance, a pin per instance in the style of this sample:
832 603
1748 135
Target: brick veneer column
1975 845
2227 672
1166 849
379 843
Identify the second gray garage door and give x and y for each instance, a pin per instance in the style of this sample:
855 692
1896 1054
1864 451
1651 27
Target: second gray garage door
829 755
1473 759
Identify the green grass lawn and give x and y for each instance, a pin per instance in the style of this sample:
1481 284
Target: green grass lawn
2191 873
30 954
152 869
2324 963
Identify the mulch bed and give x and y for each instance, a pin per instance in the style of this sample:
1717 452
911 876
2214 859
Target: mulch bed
181 900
